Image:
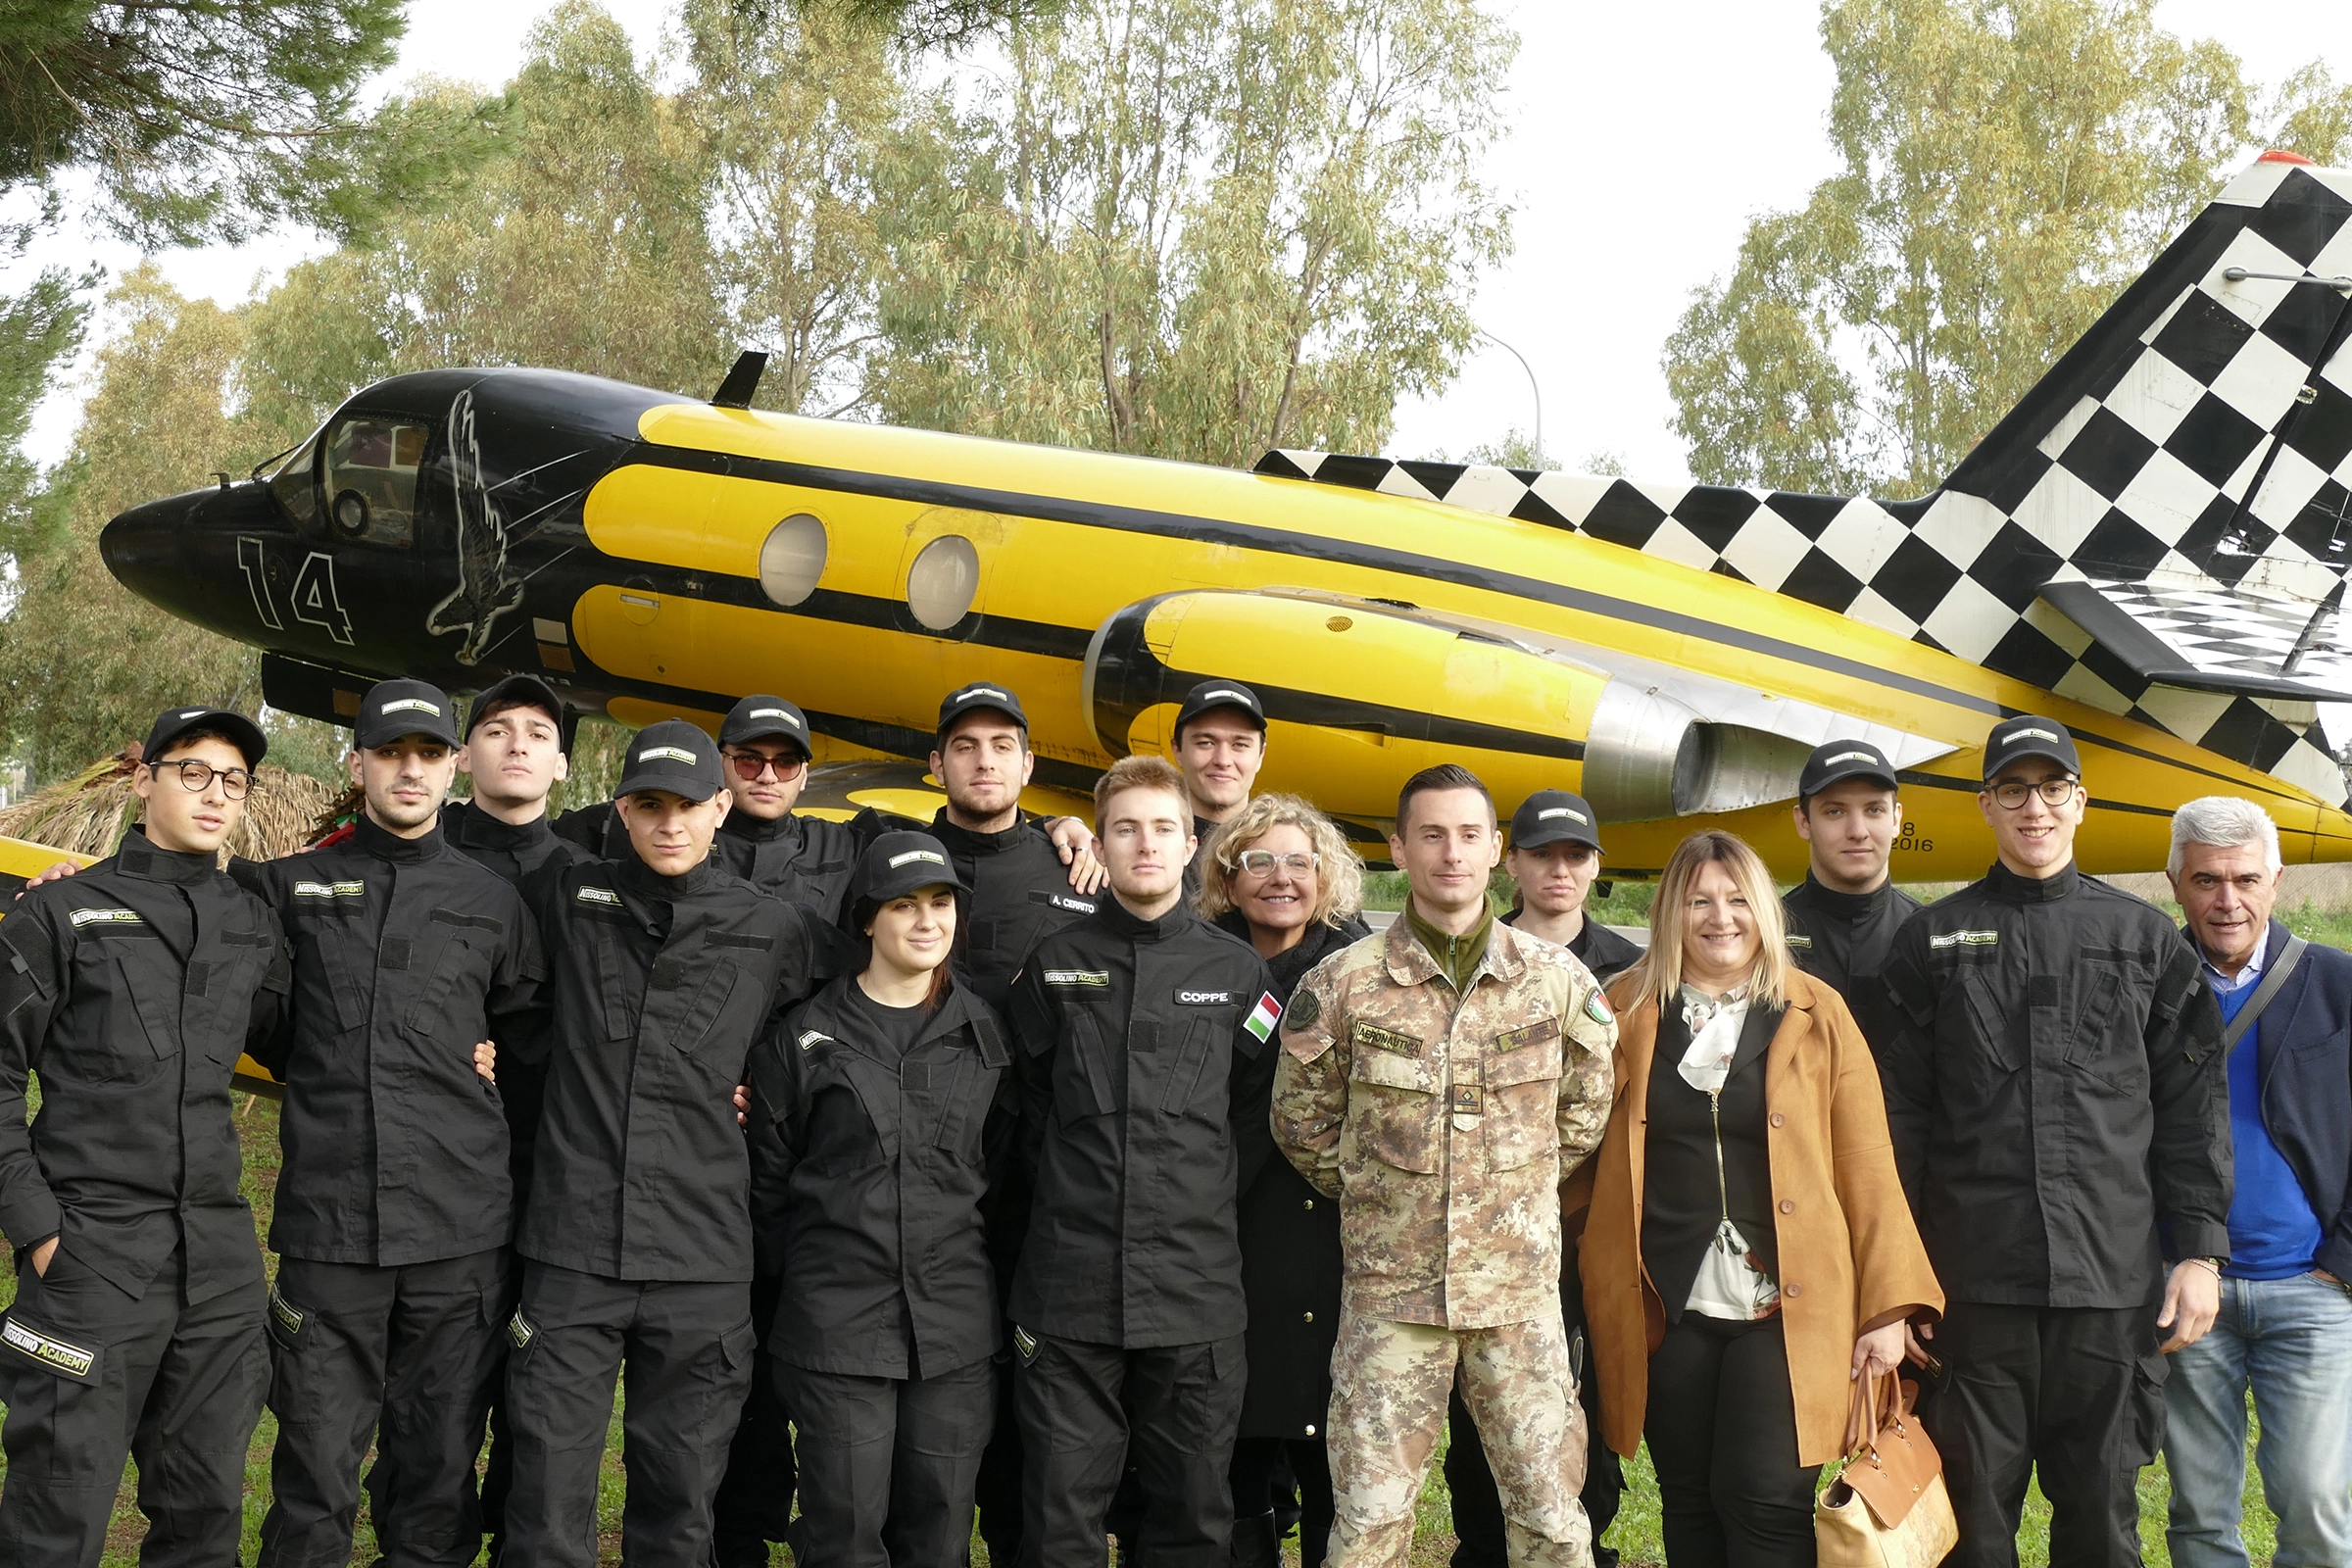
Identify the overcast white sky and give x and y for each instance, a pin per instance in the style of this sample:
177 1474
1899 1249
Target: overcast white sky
1646 136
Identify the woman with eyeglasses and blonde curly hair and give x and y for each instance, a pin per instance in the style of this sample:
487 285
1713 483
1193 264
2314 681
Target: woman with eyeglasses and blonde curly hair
1281 877
1750 1252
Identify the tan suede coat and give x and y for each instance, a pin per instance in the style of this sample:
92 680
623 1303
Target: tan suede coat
1849 1250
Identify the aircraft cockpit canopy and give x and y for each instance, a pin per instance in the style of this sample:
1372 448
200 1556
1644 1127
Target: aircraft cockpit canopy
369 477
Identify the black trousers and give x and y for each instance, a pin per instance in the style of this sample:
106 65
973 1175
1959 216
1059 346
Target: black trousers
1087 1410
997 1492
1255 1462
402 1357
179 1386
685 1347
1722 1433
754 1505
890 1464
2075 1393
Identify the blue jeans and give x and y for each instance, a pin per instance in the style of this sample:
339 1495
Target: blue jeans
2292 1341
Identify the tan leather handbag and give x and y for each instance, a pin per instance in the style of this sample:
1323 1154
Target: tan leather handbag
1887 1508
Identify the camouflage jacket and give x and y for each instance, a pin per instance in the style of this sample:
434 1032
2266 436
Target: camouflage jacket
1446 1126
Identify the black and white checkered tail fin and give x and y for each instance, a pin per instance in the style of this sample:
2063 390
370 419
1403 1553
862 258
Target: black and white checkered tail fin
2160 528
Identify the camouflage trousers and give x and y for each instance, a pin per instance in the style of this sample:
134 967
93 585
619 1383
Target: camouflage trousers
1389 1388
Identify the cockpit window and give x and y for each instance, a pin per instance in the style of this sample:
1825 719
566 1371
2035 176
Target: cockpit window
371 462
293 483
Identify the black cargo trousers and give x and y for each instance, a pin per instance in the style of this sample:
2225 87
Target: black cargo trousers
754 1505
685 1348
91 1375
1088 1412
404 1356
888 1465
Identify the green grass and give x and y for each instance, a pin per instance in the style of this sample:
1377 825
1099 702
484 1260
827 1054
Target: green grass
1634 1533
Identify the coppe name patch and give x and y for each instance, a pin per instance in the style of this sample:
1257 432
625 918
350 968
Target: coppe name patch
1205 998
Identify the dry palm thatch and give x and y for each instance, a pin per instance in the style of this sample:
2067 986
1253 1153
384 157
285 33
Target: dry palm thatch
87 815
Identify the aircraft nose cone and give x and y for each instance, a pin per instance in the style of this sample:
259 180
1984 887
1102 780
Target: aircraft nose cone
179 554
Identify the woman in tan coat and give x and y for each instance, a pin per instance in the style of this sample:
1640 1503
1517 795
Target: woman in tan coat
1748 1251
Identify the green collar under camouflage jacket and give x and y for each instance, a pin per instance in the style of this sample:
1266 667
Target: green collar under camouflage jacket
1445 1124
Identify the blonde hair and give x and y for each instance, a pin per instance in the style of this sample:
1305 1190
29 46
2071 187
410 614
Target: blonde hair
1339 879
1658 975
1139 773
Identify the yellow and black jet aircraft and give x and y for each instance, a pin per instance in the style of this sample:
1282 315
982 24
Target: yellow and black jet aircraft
2151 547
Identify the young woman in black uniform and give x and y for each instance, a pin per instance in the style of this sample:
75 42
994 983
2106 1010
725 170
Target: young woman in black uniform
870 1123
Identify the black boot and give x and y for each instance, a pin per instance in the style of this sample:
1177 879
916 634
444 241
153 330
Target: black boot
1256 1543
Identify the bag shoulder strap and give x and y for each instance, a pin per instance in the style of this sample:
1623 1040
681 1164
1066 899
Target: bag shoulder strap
2274 980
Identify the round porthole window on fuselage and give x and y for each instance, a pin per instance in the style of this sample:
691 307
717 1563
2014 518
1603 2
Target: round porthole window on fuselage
941 582
791 559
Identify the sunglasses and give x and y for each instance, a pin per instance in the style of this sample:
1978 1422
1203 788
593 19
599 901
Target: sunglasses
748 766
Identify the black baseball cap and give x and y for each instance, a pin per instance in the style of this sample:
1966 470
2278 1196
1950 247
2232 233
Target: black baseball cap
1836 762
174 722
2030 735
396 707
517 691
1555 816
896 865
672 756
763 717
1212 695
978 694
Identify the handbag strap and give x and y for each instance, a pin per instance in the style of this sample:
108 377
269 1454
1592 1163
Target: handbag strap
2274 980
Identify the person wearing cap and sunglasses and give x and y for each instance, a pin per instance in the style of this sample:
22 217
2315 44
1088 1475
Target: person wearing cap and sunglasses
131 988
1554 856
1843 917
1220 741
876 1113
637 1244
393 1205
2056 1091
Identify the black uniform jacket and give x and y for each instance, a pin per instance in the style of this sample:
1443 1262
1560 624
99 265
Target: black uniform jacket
405 954
514 852
662 986
1289 1237
1843 940
1020 890
868 1171
1601 950
807 861
1143 1114
2055 1086
131 988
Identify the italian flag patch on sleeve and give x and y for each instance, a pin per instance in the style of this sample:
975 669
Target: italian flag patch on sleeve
1264 1017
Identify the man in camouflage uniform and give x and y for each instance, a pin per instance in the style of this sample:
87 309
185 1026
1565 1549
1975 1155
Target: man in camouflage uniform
1441 1079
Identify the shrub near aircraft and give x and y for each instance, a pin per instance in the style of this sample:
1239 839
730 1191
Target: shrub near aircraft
2151 547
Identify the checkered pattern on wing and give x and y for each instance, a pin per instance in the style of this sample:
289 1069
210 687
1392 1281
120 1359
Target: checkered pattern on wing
2144 463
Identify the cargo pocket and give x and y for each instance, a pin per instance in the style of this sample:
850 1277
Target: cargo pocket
2147 1411
1394 1113
1522 1110
1090 1066
29 1340
1189 1088
289 1323
2099 1043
